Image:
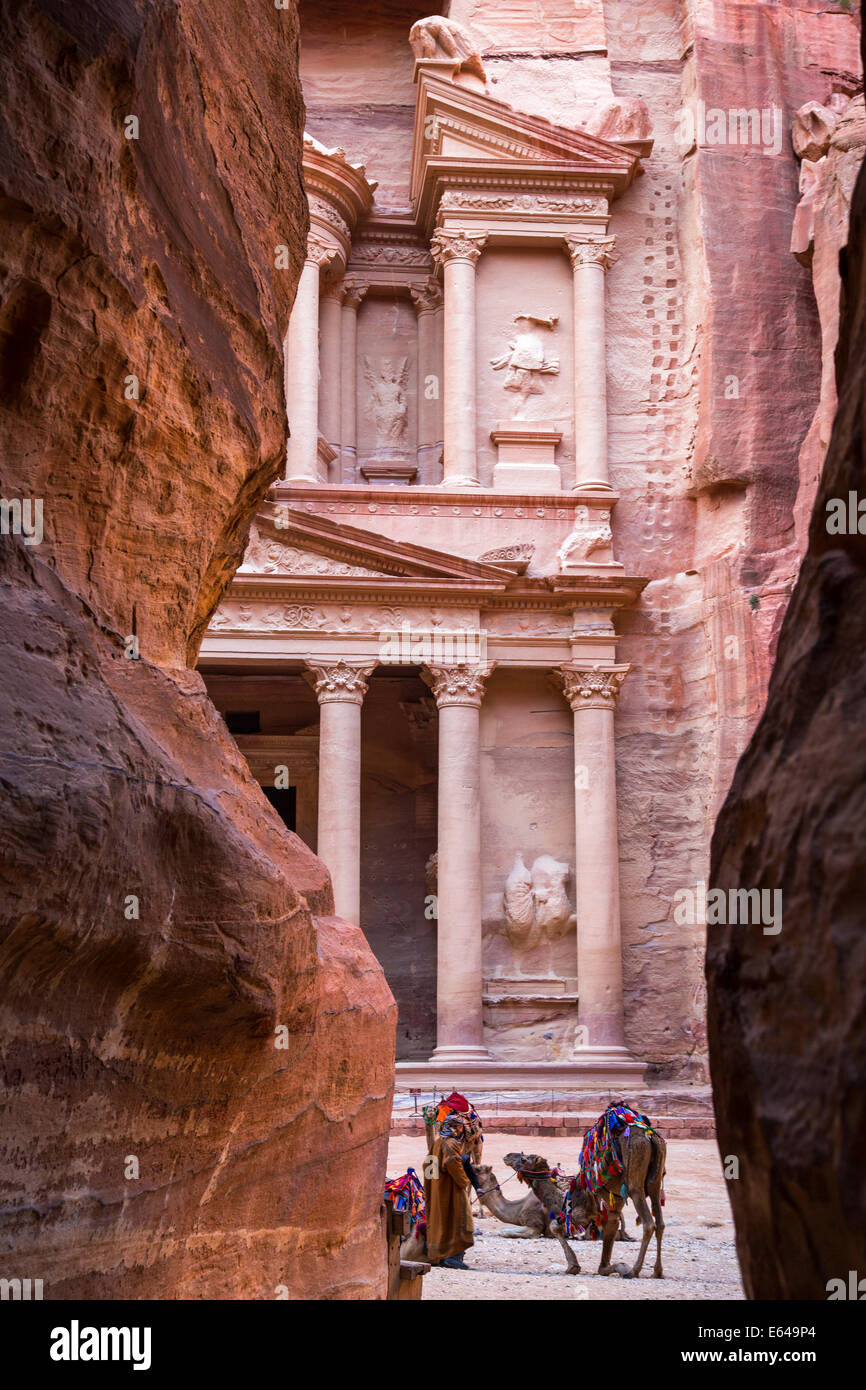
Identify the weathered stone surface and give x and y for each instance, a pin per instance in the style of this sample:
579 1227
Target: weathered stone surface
786 1023
153 1036
827 177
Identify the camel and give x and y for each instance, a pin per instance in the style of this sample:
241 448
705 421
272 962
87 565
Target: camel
643 1158
525 1216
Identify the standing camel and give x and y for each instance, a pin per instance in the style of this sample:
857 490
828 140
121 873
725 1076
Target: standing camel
525 1217
643 1159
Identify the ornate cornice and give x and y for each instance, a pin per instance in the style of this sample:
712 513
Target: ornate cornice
592 686
458 685
340 680
456 246
588 250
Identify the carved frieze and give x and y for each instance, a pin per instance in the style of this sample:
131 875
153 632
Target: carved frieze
256 617
455 199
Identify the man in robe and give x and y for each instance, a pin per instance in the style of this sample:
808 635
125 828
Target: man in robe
448 1177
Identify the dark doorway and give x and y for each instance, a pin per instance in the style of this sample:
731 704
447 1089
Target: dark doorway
284 802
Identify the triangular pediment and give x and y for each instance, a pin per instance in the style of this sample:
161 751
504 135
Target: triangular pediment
455 124
285 541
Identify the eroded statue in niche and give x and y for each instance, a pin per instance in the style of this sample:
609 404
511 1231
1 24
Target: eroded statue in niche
526 359
536 902
442 40
588 533
388 402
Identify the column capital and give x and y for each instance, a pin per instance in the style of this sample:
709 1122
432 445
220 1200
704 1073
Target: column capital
354 291
461 684
591 685
344 681
584 249
321 254
456 246
426 298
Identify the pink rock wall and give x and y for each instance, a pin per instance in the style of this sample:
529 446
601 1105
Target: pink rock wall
161 935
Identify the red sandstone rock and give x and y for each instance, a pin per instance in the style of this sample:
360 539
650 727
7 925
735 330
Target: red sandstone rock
786 1020
152 1036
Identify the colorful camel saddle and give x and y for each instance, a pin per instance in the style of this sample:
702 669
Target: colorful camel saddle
406 1193
601 1165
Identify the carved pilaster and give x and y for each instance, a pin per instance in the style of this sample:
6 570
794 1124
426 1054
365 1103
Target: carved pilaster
462 684
592 687
589 250
342 681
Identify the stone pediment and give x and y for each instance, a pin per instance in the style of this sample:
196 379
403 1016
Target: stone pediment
458 129
297 544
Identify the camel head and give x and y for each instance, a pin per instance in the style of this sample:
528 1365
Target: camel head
527 1163
486 1177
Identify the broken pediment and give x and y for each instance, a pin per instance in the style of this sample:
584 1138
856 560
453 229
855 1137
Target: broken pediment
459 131
286 541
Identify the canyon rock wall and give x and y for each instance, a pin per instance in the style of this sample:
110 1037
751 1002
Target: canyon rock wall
197 1057
786 1020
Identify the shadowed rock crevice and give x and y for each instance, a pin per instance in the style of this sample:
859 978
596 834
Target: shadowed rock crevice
787 1026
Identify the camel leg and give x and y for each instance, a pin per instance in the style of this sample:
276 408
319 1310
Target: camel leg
519 1232
610 1229
647 1227
655 1198
622 1233
572 1266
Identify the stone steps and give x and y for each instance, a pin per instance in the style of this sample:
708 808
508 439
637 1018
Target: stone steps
565 1125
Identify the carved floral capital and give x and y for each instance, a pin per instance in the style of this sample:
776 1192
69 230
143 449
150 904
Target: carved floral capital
353 292
340 680
587 250
320 254
462 684
592 687
426 298
457 246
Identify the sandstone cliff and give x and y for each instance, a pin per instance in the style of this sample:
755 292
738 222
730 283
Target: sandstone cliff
194 1050
786 1019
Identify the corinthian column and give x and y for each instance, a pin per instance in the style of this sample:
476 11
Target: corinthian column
458 253
340 687
592 692
459 984
590 258
353 293
428 304
302 369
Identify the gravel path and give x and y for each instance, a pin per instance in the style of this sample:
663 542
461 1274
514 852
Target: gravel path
698 1250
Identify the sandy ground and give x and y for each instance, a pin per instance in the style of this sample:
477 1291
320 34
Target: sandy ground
698 1249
